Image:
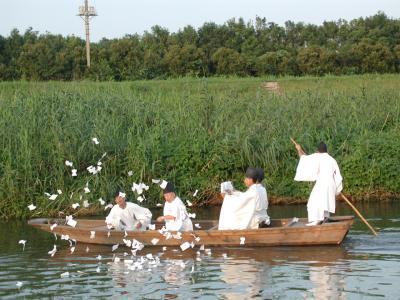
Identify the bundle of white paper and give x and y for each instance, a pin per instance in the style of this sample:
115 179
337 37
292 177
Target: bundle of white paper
226 187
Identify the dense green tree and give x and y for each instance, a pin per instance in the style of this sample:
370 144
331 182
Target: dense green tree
228 62
259 47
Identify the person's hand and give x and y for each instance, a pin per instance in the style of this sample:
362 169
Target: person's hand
223 195
298 147
138 225
160 219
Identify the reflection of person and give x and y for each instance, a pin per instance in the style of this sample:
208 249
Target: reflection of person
328 283
245 279
175 215
128 215
324 170
238 209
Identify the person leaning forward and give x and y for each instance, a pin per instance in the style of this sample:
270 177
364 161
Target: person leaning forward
175 216
127 215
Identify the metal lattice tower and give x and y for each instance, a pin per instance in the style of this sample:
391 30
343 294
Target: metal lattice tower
86 12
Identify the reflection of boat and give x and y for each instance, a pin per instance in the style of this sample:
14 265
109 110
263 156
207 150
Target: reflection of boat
283 232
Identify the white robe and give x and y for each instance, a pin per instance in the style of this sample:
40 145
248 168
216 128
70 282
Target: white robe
237 211
131 215
177 209
260 213
324 170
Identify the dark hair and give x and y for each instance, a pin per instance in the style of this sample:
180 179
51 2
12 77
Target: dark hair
116 194
169 188
260 175
322 147
252 173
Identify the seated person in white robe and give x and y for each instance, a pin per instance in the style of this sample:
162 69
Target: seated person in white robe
127 215
260 215
238 208
175 216
324 170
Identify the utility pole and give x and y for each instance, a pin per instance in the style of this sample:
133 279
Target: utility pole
86 12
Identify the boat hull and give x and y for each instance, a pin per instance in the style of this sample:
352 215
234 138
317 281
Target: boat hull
279 234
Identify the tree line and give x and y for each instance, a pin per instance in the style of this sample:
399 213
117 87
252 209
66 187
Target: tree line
255 48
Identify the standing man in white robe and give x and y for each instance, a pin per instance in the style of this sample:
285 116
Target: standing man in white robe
175 216
324 170
239 208
127 215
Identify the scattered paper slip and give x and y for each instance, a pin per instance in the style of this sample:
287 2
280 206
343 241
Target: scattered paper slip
195 193
163 184
95 141
72 222
31 207
23 242
53 197
154 241
108 206
185 246
53 251
92 234
242 239
63 275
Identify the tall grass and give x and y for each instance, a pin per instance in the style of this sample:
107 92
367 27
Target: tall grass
193 132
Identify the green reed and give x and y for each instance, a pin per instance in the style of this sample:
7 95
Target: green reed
193 132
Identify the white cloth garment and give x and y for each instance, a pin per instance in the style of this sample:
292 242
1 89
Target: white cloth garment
324 170
260 213
127 218
238 209
177 209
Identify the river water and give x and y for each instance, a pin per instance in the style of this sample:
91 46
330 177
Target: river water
363 267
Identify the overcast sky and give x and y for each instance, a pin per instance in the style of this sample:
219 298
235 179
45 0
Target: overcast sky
119 17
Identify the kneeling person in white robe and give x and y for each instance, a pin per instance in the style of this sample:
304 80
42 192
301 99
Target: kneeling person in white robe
238 209
127 215
324 170
261 217
175 216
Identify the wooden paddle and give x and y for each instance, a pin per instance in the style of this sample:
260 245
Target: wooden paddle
350 204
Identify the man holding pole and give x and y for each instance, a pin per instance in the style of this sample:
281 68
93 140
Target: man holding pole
324 170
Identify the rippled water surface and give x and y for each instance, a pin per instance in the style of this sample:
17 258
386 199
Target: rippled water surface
363 267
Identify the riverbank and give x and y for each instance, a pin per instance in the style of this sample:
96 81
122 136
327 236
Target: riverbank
193 132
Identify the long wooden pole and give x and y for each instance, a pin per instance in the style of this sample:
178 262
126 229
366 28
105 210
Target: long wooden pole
351 205
358 213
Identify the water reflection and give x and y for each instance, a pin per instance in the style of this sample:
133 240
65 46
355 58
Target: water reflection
363 267
328 283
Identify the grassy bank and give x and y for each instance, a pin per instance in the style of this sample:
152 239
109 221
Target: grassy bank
194 132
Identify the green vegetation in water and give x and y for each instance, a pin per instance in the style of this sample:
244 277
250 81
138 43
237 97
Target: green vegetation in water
193 132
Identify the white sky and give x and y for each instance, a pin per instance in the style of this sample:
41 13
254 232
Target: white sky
119 17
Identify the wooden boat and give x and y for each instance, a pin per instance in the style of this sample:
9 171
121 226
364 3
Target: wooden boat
282 232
